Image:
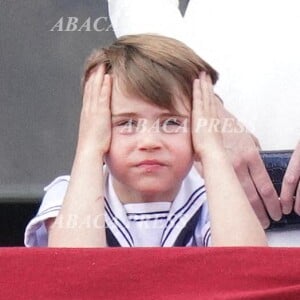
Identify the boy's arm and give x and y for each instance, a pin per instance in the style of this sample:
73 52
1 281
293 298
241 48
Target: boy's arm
80 222
233 221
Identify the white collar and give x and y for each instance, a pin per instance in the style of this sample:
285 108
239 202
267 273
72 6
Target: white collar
186 204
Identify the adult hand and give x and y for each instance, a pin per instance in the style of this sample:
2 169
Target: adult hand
290 184
95 119
243 150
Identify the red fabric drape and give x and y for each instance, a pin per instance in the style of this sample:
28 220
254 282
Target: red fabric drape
150 273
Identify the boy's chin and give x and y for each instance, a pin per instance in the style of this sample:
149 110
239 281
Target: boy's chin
155 192
146 190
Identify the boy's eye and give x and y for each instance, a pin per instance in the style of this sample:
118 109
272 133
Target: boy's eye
171 122
173 125
127 126
127 123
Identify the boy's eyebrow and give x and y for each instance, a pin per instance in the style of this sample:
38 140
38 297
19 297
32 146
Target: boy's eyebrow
173 114
134 115
126 114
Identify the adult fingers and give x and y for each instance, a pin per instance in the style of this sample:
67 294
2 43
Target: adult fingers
297 201
290 183
248 185
264 185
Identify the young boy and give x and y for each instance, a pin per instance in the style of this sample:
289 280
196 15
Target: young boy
150 114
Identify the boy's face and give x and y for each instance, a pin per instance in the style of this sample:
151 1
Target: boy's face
151 148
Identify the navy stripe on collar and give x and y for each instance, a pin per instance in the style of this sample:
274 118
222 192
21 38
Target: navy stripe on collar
183 213
114 219
110 238
149 213
188 232
150 219
183 207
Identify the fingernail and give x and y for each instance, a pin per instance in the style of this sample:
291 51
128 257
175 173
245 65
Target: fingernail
265 224
286 211
208 77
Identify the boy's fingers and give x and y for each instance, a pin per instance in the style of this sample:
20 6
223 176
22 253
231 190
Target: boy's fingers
97 84
204 91
209 86
196 92
211 103
87 94
105 92
207 94
197 102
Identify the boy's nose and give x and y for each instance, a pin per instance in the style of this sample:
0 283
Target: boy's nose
149 141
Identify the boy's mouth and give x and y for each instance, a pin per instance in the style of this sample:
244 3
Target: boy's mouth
150 162
150 165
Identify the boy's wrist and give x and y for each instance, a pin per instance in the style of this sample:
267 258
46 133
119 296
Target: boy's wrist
211 152
90 153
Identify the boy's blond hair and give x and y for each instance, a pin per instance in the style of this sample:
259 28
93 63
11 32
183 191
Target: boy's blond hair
154 67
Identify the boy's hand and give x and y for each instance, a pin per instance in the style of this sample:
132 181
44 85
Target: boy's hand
206 135
95 120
